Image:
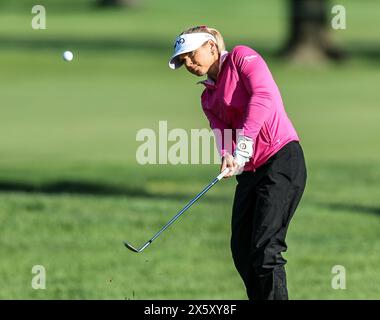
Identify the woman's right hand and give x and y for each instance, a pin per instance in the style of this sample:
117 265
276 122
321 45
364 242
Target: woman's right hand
229 162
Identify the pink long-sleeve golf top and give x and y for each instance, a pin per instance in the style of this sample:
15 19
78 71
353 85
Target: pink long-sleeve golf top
246 97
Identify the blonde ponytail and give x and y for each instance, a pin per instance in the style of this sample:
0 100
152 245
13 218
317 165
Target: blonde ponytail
204 29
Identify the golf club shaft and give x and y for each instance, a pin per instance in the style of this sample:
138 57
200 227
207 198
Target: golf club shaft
200 194
218 178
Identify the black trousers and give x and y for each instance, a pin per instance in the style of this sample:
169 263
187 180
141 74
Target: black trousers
264 203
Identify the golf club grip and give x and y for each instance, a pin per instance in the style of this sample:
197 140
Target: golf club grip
223 173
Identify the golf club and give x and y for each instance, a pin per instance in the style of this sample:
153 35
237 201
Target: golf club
212 183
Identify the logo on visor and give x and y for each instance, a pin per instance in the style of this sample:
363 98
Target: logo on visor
179 41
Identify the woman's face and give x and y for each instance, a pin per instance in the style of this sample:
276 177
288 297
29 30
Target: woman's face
199 61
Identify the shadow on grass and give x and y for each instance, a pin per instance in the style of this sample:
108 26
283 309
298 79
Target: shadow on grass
357 208
95 189
112 44
98 44
367 51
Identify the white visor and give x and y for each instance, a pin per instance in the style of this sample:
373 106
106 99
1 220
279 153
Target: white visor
187 43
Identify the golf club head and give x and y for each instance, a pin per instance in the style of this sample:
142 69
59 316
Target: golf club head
132 248
218 178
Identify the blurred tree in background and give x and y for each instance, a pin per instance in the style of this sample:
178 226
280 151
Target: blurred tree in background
309 36
116 3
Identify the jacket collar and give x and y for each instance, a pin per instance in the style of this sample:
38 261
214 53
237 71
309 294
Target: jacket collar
209 83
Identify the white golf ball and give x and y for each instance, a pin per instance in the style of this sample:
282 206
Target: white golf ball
68 56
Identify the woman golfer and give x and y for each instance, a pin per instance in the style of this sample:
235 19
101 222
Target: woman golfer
265 154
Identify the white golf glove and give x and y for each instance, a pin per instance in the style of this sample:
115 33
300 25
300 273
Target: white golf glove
244 150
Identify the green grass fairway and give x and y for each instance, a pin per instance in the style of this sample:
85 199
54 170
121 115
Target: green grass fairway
71 190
